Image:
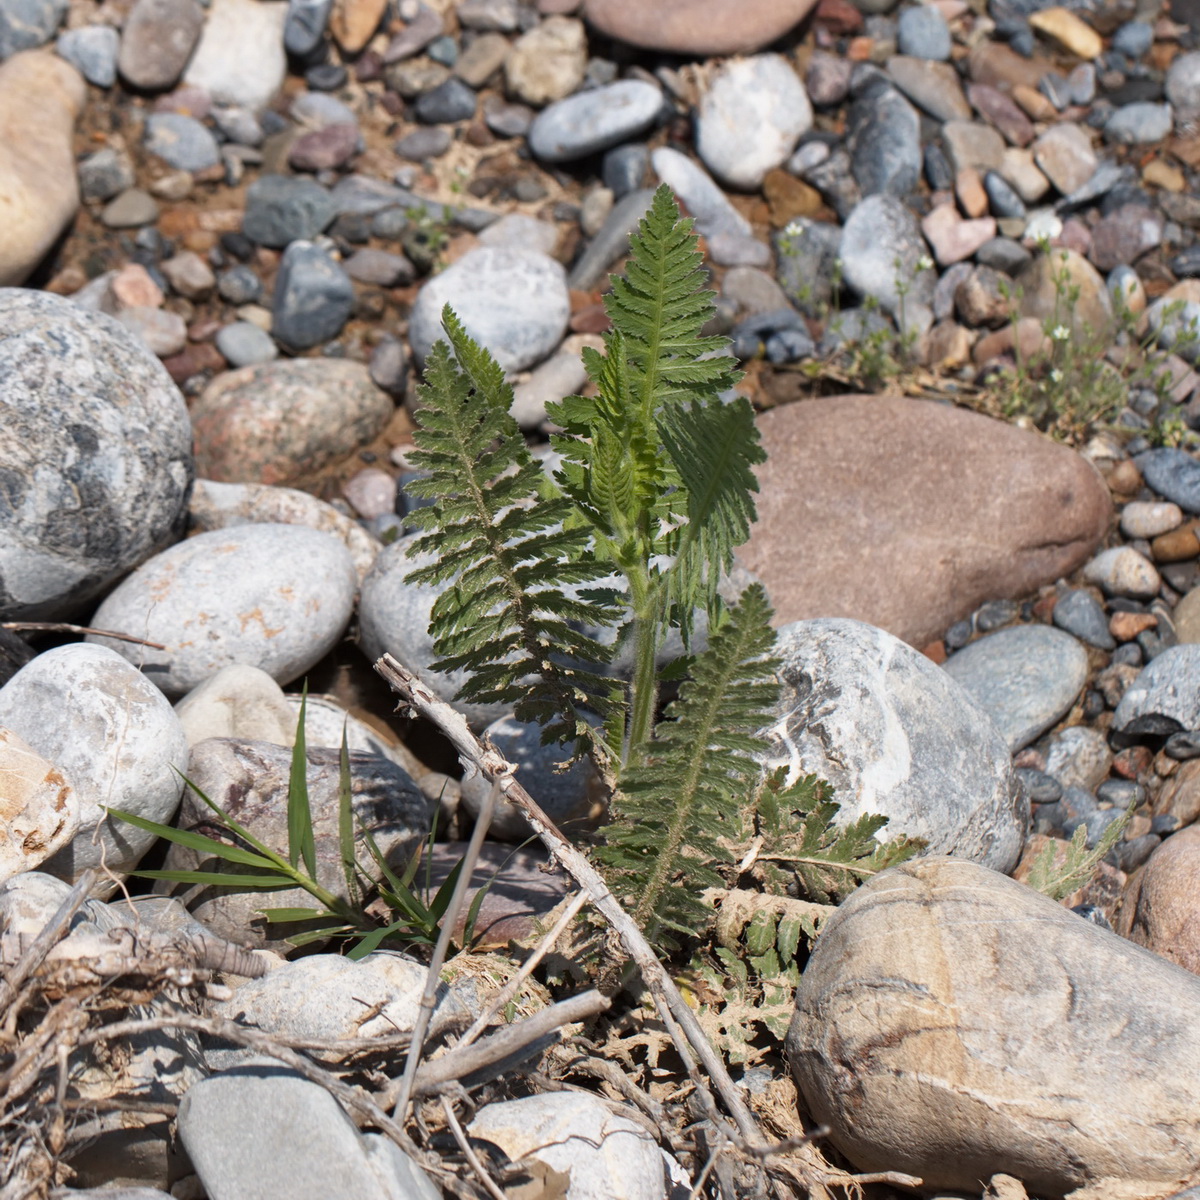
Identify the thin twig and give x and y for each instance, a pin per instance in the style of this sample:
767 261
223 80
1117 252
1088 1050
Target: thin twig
493 766
468 1153
433 975
41 945
62 627
507 1042
510 989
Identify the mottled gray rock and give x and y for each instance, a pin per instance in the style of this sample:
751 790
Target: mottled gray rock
885 143
313 297
275 596
1081 614
1139 124
95 455
922 32
896 735
1164 698
249 1129
750 117
305 24
281 209
113 734
566 796
1174 474
181 141
591 121
249 781
26 24
92 51
704 200
105 174
884 256
514 302
393 618
947 1026
1122 571
327 997
1025 678
1079 757
221 505
1183 83
157 40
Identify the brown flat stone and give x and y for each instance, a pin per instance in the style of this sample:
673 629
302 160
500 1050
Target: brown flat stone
1161 906
697 26
909 514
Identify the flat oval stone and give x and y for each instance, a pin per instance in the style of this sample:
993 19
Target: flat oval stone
1025 678
896 735
952 1023
113 734
514 302
95 454
275 422
870 475
277 597
1122 571
591 121
697 27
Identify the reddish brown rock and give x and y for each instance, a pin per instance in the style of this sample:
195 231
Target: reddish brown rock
1180 795
697 26
908 514
1161 910
280 421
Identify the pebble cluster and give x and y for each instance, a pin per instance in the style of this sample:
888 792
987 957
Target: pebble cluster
231 229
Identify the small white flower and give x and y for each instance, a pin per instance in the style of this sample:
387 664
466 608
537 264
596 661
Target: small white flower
1060 333
793 229
924 263
1056 375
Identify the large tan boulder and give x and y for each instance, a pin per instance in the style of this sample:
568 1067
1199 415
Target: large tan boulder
1161 907
953 1023
908 514
40 97
697 26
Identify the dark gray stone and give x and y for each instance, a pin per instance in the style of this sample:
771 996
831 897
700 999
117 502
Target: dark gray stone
313 297
1002 198
806 252
612 240
282 209
304 25
447 103
105 174
239 285
421 144
624 168
1025 678
895 735
1080 613
1173 474
885 143
95 455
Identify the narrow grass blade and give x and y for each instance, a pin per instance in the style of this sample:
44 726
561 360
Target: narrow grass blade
236 827
219 879
299 914
373 939
199 842
300 831
346 823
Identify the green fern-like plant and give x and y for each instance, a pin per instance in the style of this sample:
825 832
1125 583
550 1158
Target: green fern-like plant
546 576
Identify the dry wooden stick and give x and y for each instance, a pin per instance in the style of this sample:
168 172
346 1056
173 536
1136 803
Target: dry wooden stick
62 627
433 975
41 945
510 989
507 1042
493 766
468 1153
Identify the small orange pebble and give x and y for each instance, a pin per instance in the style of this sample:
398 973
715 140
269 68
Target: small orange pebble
1125 626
